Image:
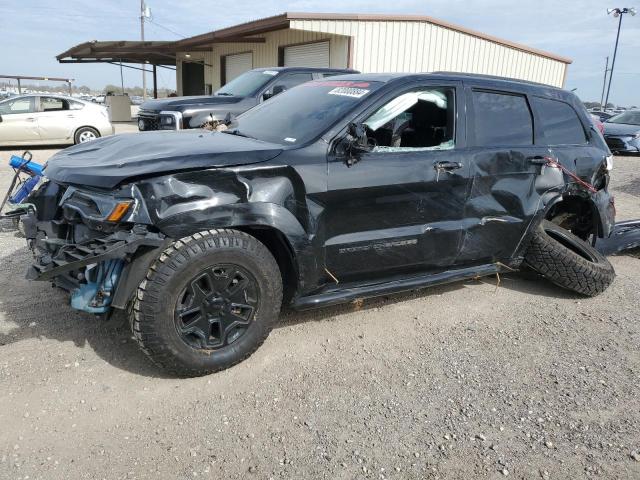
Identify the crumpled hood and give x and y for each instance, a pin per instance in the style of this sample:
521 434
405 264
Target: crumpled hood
109 161
620 129
180 103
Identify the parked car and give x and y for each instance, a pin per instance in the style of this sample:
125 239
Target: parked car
51 120
603 116
622 132
239 95
597 122
341 189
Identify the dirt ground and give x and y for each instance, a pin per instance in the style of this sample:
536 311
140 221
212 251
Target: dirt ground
456 382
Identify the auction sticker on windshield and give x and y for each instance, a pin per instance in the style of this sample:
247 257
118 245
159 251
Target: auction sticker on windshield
349 92
336 83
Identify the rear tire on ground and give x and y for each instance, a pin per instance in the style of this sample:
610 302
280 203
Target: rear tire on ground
568 261
85 134
207 303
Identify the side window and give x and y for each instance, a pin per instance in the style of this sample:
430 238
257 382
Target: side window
502 119
290 80
417 120
75 105
19 105
52 104
330 74
560 122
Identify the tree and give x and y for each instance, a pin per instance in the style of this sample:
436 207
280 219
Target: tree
592 104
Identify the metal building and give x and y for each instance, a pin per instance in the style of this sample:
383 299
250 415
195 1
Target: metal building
368 43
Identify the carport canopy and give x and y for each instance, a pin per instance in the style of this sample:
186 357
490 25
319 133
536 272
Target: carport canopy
125 51
119 52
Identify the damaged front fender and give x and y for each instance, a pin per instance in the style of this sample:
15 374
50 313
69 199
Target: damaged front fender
267 197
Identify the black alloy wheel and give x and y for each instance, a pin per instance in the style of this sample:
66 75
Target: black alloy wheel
208 302
216 307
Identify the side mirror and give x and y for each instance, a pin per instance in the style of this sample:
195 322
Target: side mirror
357 143
0 118
358 138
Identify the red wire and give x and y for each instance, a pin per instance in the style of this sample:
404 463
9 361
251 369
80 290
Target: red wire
552 162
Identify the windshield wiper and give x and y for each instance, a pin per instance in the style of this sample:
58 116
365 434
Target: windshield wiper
235 131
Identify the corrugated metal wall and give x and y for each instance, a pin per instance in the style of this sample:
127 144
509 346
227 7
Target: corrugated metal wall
393 46
402 46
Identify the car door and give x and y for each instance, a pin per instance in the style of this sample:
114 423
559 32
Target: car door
566 136
55 119
18 124
399 207
505 162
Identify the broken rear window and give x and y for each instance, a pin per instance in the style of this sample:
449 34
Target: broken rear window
304 112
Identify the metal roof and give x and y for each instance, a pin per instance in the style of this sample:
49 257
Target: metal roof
154 52
163 53
243 32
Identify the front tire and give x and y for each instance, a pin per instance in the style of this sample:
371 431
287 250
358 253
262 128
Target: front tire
85 134
207 303
568 261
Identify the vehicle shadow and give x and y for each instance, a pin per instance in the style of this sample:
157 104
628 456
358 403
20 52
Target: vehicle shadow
24 148
525 281
35 310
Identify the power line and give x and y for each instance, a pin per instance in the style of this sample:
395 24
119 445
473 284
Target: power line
165 28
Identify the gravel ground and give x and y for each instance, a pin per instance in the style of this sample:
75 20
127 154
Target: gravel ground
462 381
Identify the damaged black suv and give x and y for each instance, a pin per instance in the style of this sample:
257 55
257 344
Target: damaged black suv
338 189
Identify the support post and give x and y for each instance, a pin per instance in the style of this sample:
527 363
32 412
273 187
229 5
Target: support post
19 87
155 82
121 78
144 73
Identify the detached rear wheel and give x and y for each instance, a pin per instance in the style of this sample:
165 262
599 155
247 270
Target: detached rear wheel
568 261
208 302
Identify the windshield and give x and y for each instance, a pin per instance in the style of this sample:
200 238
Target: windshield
304 112
628 118
247 83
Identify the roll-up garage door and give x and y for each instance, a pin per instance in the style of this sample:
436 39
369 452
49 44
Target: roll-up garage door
307 55
235 65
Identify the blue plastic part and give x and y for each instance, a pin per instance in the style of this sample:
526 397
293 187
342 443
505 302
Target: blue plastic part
26 166
24 190
95 296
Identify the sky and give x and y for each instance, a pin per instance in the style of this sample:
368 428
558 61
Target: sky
35 31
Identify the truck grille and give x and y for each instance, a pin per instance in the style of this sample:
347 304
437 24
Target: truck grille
148 120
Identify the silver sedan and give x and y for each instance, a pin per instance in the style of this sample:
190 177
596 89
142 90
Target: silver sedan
51 120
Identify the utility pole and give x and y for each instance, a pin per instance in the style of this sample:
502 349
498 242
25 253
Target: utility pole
604 84
617 12
144 73
121 78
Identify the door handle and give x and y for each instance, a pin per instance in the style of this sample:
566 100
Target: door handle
447 166
30 119
71 116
